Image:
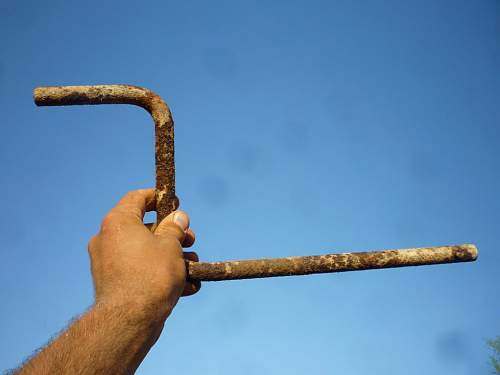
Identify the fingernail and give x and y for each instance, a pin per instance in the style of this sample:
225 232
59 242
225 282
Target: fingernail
181 219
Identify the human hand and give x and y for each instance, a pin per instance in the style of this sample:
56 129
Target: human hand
139 265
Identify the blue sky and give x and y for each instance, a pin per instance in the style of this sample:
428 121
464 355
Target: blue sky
301 128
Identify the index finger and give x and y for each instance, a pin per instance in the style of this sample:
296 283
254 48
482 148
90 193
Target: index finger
132 207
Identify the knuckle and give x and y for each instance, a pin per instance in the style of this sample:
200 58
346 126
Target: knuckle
110 221
134 193
129 194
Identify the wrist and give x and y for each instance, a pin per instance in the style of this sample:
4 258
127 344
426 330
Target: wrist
146 315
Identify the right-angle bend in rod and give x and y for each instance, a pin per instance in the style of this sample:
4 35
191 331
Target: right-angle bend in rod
166 200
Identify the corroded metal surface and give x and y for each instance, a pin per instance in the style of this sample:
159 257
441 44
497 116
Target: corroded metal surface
306 265
166 200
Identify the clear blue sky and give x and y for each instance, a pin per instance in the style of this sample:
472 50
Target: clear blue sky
302 127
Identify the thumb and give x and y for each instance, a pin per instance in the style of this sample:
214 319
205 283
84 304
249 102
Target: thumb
174 225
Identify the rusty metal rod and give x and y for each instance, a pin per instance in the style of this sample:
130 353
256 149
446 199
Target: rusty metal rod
166 201
306 265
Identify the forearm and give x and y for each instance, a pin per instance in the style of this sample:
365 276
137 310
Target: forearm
138 277
107 339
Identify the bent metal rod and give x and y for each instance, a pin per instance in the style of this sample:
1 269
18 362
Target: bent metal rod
166 200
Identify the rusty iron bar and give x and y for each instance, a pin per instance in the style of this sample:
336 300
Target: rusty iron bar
330 263
241 269
166 201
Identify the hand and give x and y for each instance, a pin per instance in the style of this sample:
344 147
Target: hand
141 266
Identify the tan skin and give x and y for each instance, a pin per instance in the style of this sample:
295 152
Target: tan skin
139 275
